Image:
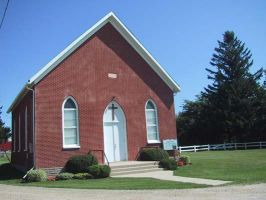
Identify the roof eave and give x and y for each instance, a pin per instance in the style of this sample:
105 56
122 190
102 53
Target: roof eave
144 53
127 35
20 95
68 50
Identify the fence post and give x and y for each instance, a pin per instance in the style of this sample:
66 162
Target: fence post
195 150
260 145
180 149
235 147
245 145
208 147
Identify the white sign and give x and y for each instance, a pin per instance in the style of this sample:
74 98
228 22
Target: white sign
170 144
112 75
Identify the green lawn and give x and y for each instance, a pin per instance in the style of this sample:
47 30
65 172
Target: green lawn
244 166
3 159
110 183
13 178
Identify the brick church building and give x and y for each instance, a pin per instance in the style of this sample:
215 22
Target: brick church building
103 93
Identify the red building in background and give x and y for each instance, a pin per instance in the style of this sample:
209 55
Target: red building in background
5 146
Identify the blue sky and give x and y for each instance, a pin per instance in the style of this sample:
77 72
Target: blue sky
181 35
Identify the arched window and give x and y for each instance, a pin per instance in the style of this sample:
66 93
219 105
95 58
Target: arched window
152 122
70 123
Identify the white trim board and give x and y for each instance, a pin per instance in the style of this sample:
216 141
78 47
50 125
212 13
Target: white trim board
127 35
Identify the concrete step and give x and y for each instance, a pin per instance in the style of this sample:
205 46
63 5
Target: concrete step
113 174
133 167
53 171
128 164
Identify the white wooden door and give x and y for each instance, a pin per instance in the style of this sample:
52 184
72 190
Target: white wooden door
114 126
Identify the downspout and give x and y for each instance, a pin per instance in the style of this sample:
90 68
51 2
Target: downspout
33 124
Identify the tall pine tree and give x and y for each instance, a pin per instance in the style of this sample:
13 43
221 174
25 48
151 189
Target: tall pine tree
233 104
232 96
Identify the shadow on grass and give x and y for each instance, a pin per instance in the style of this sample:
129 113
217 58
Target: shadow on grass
7 172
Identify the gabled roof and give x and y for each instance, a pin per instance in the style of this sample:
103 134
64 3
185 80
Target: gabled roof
122 29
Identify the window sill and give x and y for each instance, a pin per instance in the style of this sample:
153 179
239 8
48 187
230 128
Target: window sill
71 147
154 141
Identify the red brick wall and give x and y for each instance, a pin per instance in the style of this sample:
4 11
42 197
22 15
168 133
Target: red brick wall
23 159
84 76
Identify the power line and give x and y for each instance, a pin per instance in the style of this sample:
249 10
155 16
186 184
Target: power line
4 15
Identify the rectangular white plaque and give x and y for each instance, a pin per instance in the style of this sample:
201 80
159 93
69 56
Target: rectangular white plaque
170 144
112 75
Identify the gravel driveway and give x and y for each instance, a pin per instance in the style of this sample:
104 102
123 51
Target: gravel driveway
241 192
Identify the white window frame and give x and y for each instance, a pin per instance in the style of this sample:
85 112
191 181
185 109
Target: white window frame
72 146
26 129
14 135
157 123
19 138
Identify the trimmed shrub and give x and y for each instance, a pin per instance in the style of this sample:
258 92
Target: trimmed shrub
80 163
37 175
185 159
82 176
105 171
100 171
169 164
64 176
94 170
153 154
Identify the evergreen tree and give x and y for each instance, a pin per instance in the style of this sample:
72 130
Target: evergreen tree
4 130
233 94
234 103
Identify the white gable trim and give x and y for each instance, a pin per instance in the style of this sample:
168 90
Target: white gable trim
68 50
129 37
132 40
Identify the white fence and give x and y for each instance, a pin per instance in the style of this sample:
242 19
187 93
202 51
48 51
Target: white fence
225 146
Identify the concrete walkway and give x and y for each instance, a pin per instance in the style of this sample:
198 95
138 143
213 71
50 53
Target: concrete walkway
168 175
